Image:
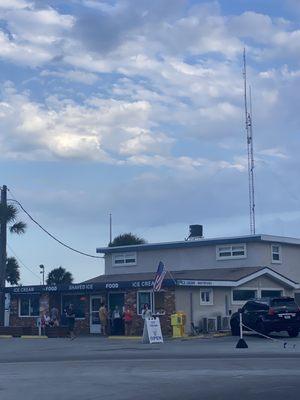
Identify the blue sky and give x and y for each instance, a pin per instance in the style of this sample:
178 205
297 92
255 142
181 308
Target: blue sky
136 108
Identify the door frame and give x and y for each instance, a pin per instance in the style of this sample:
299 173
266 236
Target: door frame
93 327
108 305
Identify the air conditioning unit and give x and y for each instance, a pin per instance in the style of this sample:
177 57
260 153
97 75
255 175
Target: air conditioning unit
211 324
226 323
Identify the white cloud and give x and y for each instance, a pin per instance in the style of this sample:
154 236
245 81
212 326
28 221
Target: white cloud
15 4
69 130
22 53
274 152
87 78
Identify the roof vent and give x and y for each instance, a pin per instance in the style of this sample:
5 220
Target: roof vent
196 232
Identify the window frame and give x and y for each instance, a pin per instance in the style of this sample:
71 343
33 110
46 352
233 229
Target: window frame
211 297
279 261
241 302
282 291
29 306
138 300
231 256
152 302
125 255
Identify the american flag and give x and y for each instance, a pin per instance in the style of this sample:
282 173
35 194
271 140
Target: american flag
159 277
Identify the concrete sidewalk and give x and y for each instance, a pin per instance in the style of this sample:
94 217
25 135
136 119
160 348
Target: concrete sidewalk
98 348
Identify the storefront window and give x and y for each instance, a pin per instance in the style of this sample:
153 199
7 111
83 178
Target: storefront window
78 302
29 306
159 303
156 302
144 298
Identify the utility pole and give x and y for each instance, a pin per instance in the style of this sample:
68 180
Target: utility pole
110 228
3 257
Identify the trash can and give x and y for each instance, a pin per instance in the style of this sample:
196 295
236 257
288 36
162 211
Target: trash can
178 322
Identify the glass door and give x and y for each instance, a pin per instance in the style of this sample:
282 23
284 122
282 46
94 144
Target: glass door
116 310
95 302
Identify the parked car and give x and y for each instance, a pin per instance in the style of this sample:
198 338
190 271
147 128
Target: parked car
267 315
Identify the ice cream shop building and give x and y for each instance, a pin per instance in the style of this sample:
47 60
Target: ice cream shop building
207 279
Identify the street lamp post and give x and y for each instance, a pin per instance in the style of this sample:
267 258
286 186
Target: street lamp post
42 271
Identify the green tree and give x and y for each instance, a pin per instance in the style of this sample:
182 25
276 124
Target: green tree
9 215
12 271
59 276
126 239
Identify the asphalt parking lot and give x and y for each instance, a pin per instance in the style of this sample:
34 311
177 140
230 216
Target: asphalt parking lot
96 368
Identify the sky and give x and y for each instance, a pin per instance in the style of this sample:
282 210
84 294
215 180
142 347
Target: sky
135 108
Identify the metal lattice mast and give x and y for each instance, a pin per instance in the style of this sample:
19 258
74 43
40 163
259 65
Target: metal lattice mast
248 123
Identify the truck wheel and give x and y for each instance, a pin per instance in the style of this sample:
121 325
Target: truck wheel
293 332
235 328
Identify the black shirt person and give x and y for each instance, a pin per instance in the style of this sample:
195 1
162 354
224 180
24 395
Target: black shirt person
70 314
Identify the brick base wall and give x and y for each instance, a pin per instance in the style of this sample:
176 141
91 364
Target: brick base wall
82 326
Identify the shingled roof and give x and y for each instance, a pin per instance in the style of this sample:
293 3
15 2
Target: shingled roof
211 274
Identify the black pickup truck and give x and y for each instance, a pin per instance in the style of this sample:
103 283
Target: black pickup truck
267 315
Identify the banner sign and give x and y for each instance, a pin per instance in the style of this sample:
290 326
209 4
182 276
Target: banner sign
154 330
85 287
191 282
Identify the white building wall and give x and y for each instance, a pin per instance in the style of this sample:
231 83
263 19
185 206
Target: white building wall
201 257
258 254
197 312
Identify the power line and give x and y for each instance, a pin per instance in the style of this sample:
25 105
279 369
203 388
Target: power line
21 262
50 234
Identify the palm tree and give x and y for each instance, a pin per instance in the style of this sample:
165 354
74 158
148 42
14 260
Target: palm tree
9 215
59 276
126 239
12 271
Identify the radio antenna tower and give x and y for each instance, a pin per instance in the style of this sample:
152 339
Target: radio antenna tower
248 124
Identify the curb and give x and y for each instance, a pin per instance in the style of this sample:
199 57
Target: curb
33 337
125 337
203 336
5 336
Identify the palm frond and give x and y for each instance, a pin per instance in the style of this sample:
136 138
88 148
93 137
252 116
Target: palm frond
8 213
18 228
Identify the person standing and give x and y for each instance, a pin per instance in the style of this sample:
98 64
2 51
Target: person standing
128 317
70 314
116 321
54 313
146 314
45 322
103 319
